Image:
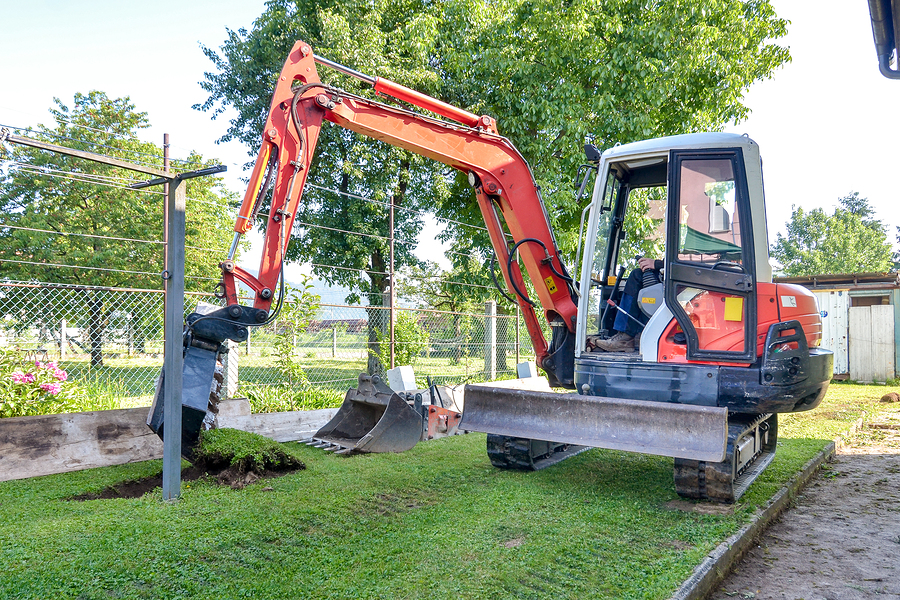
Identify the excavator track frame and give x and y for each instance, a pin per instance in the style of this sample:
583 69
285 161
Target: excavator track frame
751 447
522 454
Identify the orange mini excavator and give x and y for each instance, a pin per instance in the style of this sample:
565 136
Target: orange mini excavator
722 351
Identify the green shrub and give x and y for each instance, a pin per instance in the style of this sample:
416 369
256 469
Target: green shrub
299 308
281 398
410 340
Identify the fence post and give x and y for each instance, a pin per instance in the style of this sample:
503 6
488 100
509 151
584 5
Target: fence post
231 369
334 342
490 340
249 329
62 339
392 280
518 316
174 323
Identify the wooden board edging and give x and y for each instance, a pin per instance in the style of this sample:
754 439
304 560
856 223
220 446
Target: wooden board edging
49 444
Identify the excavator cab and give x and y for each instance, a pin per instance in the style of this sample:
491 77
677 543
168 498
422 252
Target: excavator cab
699 202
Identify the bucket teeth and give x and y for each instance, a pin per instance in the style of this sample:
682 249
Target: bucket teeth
344 451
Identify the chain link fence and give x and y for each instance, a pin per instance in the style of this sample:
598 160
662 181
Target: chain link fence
110 340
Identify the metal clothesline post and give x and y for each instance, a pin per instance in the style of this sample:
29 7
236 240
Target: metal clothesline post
173 277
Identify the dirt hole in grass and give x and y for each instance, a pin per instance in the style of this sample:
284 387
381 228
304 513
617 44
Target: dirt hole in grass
225 456
230 476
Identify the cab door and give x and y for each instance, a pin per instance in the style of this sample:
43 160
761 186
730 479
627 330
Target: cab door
710 267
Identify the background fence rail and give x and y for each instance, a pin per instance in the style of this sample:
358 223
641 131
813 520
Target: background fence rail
111 340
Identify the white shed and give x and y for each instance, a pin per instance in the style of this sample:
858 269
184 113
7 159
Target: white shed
859 316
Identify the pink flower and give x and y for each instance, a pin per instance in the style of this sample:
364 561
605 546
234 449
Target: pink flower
38 364
52 388
60 375
17 377
28 378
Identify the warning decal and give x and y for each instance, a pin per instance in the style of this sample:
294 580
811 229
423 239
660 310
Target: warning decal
789 301
551 285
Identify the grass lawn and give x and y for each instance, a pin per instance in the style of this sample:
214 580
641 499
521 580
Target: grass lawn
435 522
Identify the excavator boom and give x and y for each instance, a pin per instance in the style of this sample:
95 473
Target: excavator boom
504 185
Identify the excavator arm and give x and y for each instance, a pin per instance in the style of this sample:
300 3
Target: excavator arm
503 183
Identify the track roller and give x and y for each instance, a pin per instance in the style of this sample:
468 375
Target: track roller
527 455
751 447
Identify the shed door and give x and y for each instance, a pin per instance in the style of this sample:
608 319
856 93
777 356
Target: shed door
833 307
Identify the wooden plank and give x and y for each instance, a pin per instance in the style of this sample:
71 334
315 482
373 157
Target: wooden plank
43 445
861 350
882 342
48 444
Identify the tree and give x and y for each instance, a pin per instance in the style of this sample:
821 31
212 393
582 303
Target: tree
557 73
60 210
560 73
850 240
299 308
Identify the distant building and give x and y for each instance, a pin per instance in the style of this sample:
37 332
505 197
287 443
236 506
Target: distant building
860 317
348 325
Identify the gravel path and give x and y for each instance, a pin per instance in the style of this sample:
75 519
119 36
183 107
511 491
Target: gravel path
841 538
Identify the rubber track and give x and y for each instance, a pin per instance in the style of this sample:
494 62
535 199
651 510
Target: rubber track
516 453
717 482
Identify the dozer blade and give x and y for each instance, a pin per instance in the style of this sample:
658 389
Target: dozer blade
373 419
665 429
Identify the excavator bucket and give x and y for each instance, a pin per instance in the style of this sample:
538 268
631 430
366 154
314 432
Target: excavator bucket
662 428
202 378
372 419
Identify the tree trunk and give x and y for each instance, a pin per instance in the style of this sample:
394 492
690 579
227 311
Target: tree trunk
378 319
456 351
95 327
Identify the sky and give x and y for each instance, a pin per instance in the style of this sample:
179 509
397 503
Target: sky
824 122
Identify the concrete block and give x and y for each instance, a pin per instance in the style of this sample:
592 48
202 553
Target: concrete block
526 369
235 407
401 378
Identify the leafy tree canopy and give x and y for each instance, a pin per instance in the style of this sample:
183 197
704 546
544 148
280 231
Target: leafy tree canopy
59 210
850 240
555 73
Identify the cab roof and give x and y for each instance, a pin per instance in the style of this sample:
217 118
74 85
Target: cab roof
676 142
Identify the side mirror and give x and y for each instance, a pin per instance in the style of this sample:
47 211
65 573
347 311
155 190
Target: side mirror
592 153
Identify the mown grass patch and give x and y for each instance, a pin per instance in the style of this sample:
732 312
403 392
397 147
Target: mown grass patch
434 522
243 451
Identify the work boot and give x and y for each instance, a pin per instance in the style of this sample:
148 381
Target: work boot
621 342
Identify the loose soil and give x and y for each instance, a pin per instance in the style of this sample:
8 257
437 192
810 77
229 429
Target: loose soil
232 476
840 540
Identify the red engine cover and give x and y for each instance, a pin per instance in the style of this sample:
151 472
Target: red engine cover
775 303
